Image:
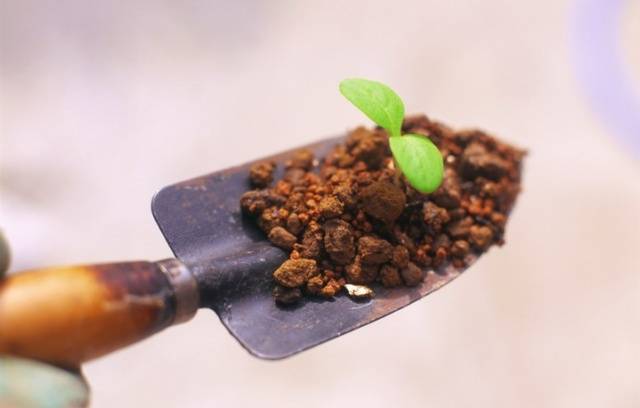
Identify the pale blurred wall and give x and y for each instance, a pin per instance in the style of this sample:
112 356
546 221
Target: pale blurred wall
105 102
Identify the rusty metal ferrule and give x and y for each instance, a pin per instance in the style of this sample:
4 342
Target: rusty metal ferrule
185 289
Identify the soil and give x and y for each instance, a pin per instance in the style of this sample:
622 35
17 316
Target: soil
350 219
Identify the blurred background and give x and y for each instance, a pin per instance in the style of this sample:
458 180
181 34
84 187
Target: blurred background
103 103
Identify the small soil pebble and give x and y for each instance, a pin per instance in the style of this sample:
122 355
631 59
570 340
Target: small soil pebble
255 202
349 218
390 276
412 274
460 249
360 273
460 228
400 257
302 159
338 241
478 161
293 224
449 193
374 251
480 236
383 200
435 217
330 207
368 146
261 174
282 238
295 272
311 246
315 285
331 288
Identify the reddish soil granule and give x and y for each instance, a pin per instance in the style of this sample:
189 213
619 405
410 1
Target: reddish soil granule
352 219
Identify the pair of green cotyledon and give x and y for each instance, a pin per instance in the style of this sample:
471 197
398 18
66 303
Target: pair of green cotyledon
415 155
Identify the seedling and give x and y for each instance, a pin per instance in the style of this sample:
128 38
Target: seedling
415 155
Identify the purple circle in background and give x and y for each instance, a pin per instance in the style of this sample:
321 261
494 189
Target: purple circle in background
599 62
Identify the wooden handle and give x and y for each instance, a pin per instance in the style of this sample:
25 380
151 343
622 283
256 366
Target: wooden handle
69 315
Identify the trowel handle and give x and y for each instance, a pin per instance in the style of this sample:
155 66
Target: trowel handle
68 315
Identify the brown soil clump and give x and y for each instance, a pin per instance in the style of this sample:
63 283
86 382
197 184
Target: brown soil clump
295 272
261 174
374 251
282 238
338 241
349 218
382 200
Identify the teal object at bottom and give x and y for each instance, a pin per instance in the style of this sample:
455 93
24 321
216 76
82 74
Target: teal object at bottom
31 384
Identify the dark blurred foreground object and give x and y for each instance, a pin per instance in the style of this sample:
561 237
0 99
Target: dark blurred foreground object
69 315
31 384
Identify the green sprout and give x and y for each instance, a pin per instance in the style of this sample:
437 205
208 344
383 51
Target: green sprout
415 155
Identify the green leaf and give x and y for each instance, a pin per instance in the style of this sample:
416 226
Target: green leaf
420 161
377 101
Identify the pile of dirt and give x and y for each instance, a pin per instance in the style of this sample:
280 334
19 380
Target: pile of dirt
350 218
